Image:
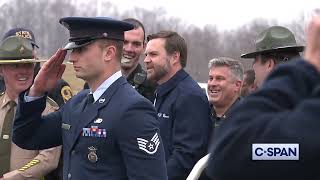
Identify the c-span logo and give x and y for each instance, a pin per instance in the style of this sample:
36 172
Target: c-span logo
151 146
275 151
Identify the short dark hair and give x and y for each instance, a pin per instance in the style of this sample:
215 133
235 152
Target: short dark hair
250 76
136 24
173 43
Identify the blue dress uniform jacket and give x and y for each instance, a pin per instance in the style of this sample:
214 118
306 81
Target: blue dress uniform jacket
284 110
185 123
115 138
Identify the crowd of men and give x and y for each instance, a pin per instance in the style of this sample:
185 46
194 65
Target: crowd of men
152 120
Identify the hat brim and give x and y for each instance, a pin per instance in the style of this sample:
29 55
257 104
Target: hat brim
279 49
21 61
73 45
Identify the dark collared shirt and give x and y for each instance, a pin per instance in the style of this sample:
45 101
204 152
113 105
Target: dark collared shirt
219 120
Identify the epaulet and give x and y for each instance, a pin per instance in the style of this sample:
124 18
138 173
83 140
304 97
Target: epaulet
52 102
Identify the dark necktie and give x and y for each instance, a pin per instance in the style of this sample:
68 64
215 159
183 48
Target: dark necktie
90 99
5 141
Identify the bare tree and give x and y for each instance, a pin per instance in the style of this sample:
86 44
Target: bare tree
203 43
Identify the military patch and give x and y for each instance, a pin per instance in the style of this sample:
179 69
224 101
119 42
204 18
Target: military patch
66 93
151 146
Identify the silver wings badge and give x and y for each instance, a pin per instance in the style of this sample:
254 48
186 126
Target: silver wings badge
151 146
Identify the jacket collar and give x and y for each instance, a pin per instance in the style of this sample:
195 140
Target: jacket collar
171 83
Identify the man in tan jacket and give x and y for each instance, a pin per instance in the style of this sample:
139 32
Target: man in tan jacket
17 69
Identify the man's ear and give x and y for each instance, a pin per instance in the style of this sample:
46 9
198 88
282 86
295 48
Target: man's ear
175 57
109 52
238 84
271 64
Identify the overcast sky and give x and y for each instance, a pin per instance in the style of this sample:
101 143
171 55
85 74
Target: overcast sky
226 14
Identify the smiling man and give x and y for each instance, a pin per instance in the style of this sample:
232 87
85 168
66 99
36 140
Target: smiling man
224 86
183 108
133 48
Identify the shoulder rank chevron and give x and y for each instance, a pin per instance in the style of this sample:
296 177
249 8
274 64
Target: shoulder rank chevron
151 146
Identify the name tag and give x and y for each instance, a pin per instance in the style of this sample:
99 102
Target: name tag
66 126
